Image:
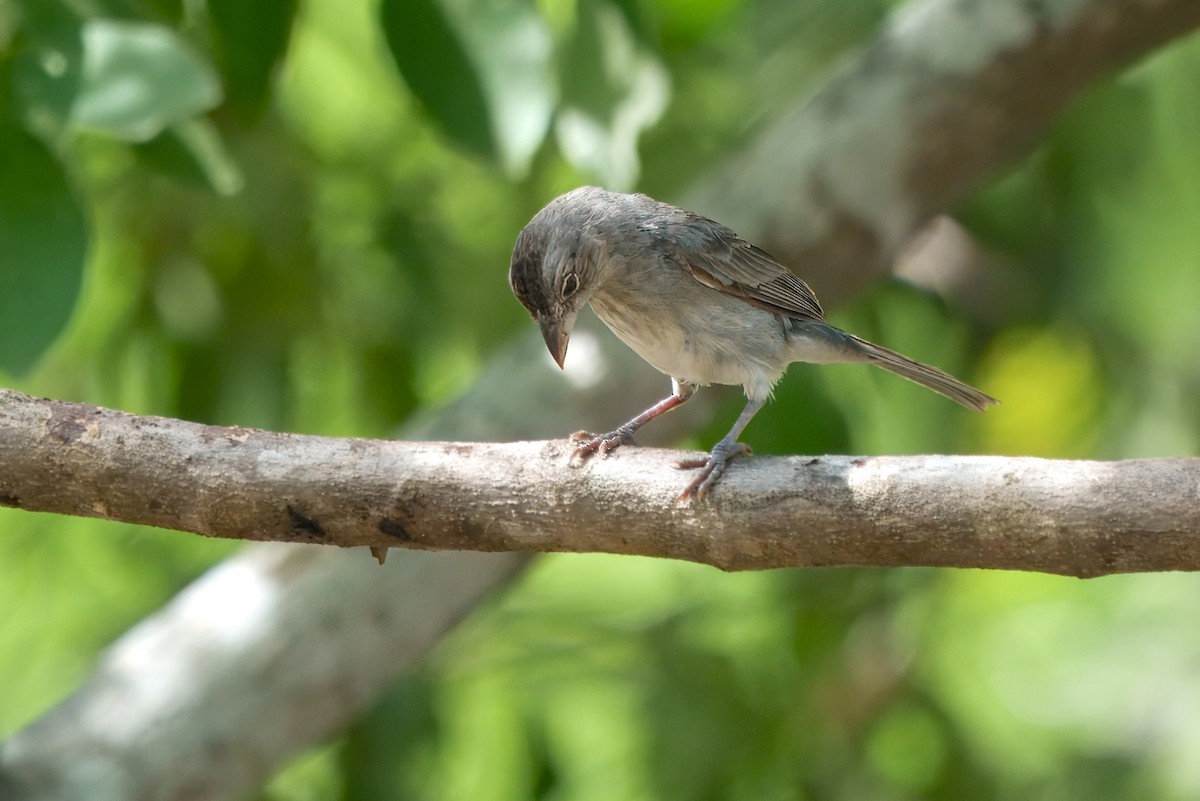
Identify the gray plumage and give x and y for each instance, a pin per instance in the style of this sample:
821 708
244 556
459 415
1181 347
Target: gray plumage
693 299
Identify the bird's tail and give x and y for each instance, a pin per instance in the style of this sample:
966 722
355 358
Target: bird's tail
923 374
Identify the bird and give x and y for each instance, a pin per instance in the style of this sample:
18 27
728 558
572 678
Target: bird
692 298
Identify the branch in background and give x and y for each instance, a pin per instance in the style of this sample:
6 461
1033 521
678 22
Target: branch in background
1073 518
271 651
944 98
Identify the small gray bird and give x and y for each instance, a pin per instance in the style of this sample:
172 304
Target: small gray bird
691 298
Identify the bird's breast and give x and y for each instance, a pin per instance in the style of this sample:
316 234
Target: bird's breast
695 334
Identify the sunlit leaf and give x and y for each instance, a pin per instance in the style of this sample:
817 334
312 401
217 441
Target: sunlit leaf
138 78
1051 387
43 238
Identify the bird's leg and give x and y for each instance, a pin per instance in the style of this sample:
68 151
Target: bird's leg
590 444
716 462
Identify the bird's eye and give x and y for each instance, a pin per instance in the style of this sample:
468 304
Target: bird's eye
569 285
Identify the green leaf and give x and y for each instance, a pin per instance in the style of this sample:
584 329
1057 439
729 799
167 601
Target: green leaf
640 16
435 65
251 38
138 78
46 72
192 152
614 89
170 11
43 239
512 45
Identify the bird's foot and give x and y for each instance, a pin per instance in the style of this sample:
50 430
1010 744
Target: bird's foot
589 444
713 467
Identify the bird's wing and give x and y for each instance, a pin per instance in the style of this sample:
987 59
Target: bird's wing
720 259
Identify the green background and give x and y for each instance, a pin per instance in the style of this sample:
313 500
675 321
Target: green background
298 216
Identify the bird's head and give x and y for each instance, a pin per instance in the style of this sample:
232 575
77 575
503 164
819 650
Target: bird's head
555 267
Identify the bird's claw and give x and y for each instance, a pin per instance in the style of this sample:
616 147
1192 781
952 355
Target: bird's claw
713 468
589 444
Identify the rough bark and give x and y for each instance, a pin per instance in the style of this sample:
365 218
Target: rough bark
1073 518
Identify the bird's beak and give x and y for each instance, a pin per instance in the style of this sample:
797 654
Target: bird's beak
557 335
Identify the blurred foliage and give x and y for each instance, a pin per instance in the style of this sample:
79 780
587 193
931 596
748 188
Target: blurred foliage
298 216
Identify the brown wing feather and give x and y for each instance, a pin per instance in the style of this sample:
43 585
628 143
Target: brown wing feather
720 259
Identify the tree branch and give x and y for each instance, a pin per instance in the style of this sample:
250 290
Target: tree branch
266 653
947 95
1072 518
